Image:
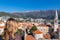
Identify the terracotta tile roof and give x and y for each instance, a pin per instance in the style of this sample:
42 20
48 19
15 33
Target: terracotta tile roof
30 37
43 25
37 32
1 26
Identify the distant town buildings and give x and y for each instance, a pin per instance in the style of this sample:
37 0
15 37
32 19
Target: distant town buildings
21 19
4 18
38 20
41 20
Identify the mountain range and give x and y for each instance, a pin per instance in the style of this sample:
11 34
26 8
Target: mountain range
7 14
46 14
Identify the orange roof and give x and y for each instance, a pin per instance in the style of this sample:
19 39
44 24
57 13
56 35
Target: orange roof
1 26
30 37
43 25
37 32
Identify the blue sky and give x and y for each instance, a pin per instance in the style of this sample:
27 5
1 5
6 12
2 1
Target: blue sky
28 5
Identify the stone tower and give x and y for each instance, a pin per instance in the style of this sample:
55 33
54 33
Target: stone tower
56 21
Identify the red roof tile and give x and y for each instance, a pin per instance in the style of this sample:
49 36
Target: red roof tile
37 32
30 37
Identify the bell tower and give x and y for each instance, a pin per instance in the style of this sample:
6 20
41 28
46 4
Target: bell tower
56 21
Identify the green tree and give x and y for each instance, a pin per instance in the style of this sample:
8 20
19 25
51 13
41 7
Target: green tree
33 29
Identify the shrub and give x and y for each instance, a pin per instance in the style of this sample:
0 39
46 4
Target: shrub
33 29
